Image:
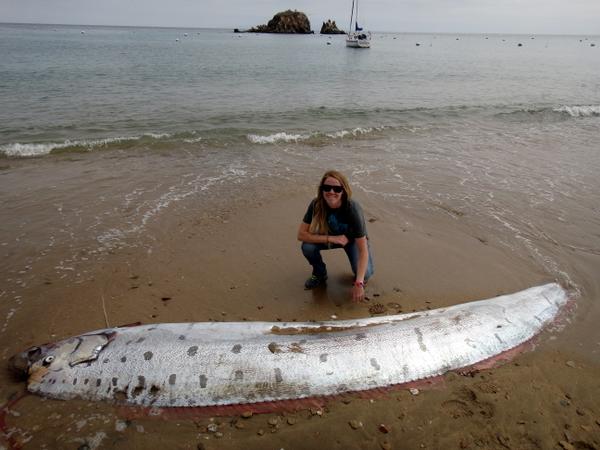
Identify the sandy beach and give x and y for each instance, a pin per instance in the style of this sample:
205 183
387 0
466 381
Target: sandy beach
235 257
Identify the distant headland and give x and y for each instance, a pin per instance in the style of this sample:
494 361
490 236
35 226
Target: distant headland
330 27
291 22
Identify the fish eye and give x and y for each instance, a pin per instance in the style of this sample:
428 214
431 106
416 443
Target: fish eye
48 359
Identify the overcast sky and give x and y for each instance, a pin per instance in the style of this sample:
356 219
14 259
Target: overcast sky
467 16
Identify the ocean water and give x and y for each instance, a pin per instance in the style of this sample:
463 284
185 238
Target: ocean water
104 131
85 88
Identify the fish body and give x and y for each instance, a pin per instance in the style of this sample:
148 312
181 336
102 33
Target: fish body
225 363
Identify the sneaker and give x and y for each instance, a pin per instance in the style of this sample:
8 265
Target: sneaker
314 281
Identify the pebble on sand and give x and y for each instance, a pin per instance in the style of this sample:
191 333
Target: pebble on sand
355 424
384 428
377 308
316 411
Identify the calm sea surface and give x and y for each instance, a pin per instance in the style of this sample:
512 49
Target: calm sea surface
500 132
65 87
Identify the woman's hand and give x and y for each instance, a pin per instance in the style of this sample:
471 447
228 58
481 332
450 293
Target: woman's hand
358 292
339 240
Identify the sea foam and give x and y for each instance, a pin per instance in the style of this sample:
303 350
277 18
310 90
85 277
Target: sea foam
288 137
277 137
354 132
27 150
580 111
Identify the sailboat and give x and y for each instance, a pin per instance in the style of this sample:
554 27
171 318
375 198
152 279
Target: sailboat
357 38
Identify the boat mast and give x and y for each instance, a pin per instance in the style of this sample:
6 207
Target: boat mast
351 16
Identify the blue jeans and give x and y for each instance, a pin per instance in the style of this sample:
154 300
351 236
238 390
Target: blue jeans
312 252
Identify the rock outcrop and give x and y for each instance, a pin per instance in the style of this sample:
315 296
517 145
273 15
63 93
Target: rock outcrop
330 27
285 22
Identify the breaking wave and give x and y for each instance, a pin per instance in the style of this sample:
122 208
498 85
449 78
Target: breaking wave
328 125
39 149
551 113
579 111
287 137
277 137
354 132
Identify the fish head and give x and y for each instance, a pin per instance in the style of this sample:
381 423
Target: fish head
36 362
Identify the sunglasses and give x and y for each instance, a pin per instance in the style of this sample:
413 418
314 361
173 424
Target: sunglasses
328 187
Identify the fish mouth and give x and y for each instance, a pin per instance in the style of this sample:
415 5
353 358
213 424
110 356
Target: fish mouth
20 363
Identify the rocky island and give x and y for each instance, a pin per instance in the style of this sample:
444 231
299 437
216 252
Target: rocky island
292 22
330 27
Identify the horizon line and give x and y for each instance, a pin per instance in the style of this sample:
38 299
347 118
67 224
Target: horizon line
314 31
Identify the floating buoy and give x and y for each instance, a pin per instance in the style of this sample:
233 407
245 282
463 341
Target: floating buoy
592 45
329 43
520 45
417 44
177 40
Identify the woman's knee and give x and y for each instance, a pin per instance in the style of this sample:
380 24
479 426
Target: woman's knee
309 250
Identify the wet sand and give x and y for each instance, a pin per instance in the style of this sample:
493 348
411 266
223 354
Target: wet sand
238 259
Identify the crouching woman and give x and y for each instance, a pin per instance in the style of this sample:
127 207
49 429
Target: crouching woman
334 220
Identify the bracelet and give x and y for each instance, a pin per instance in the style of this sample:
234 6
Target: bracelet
359 283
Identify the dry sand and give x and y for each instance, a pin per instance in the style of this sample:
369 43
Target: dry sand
242 262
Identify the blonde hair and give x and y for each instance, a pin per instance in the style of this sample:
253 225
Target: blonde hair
319 225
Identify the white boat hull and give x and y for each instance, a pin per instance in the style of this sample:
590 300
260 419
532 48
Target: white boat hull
353 41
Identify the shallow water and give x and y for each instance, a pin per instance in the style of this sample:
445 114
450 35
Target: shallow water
156 88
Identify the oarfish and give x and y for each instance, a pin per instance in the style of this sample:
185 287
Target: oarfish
225 363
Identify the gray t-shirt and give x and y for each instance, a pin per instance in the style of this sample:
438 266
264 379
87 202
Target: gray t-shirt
348 220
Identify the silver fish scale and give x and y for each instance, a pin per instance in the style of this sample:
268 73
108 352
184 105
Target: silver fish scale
202 364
